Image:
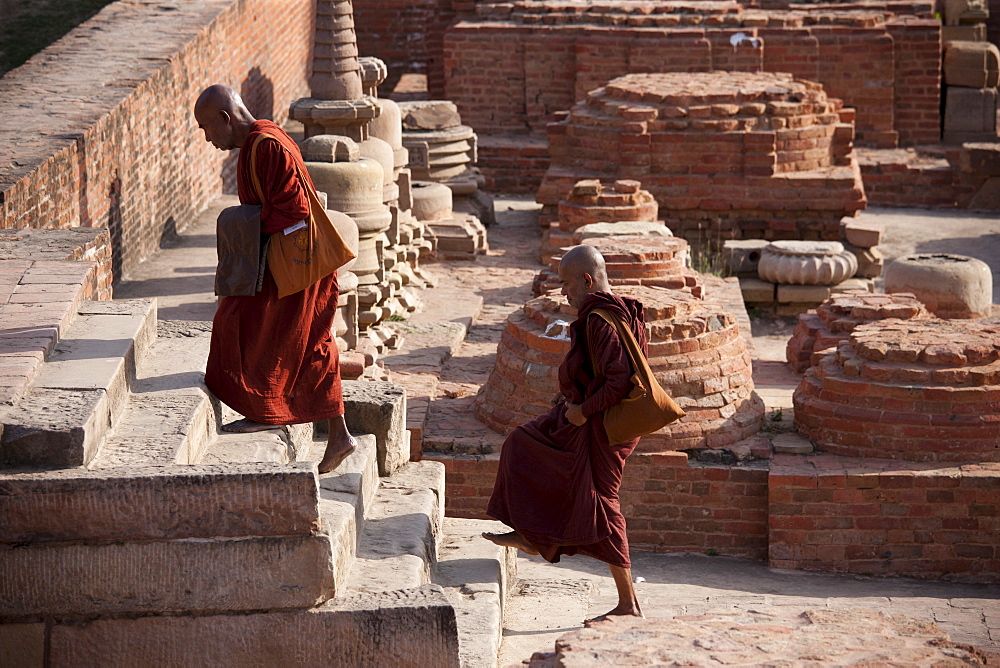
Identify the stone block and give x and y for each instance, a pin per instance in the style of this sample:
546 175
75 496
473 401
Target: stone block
973 33
803 294
950 286
256 573
870 261
971 64
630 228
987 198
862 235
429 115
159 503
54 428
379 408
970 111
855 283
22 645
757 291
414 627
742 255
981 158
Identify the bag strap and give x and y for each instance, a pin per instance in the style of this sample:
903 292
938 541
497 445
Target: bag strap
625 335
311 193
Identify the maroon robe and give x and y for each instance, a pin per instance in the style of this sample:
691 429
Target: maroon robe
276 360
557 484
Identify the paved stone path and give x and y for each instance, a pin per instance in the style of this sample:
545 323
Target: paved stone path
448 353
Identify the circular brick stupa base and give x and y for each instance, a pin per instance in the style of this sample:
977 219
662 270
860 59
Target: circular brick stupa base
635 260
695 351
917 390
778 637
835 319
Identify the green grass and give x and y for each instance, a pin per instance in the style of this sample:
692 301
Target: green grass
28 26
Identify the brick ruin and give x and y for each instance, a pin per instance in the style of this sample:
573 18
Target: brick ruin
695 350
725 155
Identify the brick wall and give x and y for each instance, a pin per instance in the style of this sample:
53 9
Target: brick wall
669 505
673 506
878 518
917 80
408 35
117 146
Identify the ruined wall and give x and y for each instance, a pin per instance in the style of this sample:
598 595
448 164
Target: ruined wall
408 35
107 138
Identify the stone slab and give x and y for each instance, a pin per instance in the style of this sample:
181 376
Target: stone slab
187 575
398 545
477 576
54 428
757 291
414 627
743 255
807 294
379 408
158 503
160 429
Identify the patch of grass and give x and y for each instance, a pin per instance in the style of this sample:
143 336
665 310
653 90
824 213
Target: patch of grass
712 552
28 26
706 249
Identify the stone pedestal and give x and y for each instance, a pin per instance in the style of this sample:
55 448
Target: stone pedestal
950 286
806 263
453 235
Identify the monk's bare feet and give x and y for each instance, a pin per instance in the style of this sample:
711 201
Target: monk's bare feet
332 459
511 539
619 611
339 446
245 426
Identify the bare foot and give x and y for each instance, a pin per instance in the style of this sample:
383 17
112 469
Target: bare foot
620 611
245 426
511 539
335 456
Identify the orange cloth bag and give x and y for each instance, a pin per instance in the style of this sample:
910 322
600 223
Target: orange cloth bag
299 259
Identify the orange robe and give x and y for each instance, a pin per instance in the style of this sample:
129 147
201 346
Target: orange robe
557 484
276 360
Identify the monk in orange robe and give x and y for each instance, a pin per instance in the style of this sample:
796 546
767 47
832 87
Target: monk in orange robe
273 360
558 477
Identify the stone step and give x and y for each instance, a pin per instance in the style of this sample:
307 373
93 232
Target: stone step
345 495
415 627
476 576
402 530
540 609
190 575
79 393
159 503
170 417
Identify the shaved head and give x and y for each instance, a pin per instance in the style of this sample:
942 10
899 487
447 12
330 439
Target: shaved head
581 272
220 112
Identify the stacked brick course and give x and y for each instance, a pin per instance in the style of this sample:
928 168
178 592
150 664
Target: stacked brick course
635 260
746 155
917 390
590 201
833 321
695 351
126 81
882 517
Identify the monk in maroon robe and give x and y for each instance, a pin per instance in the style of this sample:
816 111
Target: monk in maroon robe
558 479
273 360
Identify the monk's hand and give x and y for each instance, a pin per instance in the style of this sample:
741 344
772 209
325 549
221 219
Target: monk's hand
558 399
574 413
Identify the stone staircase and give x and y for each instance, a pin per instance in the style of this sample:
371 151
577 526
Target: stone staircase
134 532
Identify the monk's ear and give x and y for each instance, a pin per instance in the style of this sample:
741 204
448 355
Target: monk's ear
588 280
226 118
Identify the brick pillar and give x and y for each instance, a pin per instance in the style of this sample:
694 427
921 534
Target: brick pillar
917 48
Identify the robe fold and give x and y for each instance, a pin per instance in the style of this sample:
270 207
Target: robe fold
557 484
275 360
